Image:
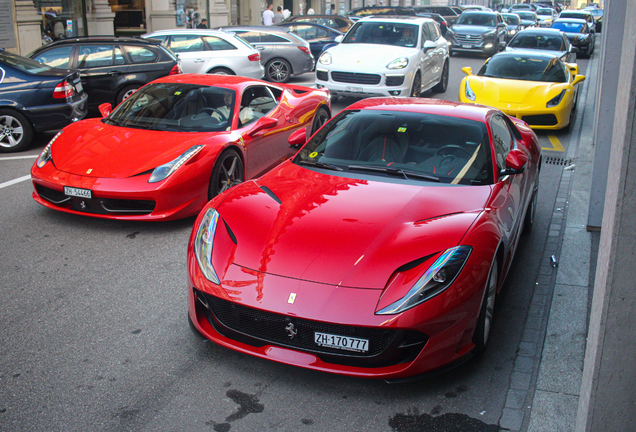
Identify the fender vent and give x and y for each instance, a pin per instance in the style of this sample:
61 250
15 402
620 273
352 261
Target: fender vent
557 161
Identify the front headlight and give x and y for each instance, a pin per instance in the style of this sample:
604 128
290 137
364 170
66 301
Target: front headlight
399 63
325 58
469 92
489 34
556 100
45 155
162 172
513 31
434 281
204 243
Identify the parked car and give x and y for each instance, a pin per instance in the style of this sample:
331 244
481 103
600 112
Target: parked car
392 56
336 22
111 68
211 51
441 22
513 23
549 41
379 250
282 53
579 34
528 19
318 36
169 148
449 15
580 14
546 16
35 98
537 88
476 31
368 11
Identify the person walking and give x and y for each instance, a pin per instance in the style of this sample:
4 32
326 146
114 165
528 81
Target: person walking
278 16
268 15
204 24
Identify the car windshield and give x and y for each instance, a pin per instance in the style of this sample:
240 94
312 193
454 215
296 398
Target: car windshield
176 107
23 63
526 15
544 12
525 68
382 33
405 145
512 19
568 27
476 19
530 41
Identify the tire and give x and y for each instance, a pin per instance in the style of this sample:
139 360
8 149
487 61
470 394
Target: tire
528 220
227 172
278 70
443 82
221 71
321 117
126 92
416 89
486 313
16 131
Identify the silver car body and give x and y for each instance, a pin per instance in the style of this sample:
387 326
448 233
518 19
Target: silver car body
211 51
376 67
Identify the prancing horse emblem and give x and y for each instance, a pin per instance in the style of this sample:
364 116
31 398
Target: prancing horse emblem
291 330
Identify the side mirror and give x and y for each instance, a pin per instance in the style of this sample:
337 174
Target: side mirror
578 79
298 139
339 39
467 70
262 124
573 67
105 109
429 45
502 46
515 163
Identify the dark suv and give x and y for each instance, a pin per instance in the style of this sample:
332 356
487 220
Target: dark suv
478 31
111 68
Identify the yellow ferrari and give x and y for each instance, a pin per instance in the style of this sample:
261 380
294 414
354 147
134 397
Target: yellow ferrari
537 88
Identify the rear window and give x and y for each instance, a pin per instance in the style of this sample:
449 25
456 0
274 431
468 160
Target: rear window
218 44
568 27
140 54
56 57
25 64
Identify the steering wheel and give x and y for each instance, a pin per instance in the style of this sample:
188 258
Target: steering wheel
213 111
453 148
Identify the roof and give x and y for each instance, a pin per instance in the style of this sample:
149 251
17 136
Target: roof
397 19
98 39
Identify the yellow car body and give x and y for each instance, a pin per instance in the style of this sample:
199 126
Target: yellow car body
535 102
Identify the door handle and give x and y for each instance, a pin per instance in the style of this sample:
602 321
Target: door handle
199 61
113 73
260 48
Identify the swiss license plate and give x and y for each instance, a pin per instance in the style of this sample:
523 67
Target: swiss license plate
467 46
79 88
82 193
346 343
353 89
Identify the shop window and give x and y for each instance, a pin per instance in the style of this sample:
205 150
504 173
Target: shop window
218 44
140 54
56 57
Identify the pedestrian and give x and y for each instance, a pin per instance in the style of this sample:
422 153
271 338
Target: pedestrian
278 16
310 11
268 15
286 13
204 24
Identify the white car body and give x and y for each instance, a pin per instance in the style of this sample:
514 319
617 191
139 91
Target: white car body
362 69
192 46
546 16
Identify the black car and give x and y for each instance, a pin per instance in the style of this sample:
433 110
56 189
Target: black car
318 36
35 98
579 34
111 68
336 22
450 16
440 20
478 31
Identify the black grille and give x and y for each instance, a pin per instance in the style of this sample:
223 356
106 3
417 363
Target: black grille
258 328
468 38
355 78
540 120
55 197
394 80
322 75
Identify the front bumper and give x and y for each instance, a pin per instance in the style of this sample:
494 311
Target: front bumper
362 85
486 46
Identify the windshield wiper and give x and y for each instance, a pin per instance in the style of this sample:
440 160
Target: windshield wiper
395 171
115 122
320 165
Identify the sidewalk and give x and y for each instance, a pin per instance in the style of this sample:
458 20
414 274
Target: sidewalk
546 380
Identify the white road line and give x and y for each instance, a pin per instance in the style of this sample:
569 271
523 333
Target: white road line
14 181
18 157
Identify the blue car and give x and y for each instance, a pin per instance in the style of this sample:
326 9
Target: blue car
318 36
35 98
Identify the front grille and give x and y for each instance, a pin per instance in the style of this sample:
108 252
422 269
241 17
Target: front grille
322 75
258 328
392 81
96 205
540 120
356 78
468 38
51 195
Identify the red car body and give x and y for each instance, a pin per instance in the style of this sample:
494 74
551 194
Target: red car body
327 251
115 163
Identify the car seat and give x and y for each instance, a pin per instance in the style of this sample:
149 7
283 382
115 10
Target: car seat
385 146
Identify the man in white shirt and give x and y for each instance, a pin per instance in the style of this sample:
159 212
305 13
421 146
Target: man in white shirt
268 15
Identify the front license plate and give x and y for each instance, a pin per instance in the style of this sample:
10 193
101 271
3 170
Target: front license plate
82 193
353 89
341 342
467 46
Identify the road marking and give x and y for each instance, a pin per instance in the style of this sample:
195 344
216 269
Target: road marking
14 181
18 157
556 144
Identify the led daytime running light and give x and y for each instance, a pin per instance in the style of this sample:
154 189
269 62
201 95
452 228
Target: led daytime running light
45 155
204 244
163 172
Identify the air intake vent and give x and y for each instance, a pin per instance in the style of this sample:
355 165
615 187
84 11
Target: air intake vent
557 161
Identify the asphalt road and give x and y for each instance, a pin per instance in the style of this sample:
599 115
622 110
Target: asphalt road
95 336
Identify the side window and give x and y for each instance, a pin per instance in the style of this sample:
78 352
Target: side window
119 57
501 139
95 56
163 39
434 31
426 35
218 44
271 38
256 102
140 54
250 36
186 43
56 57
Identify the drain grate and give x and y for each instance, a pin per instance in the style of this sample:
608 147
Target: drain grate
557 161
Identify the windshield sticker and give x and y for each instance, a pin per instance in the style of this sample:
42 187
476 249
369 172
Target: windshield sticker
402 129
313 154
177 93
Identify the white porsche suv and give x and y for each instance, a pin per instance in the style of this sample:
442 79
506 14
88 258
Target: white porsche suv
386 56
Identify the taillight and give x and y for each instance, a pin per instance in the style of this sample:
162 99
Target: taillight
304 49
176 69
254 57
63 90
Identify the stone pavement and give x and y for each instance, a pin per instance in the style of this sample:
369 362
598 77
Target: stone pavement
546 380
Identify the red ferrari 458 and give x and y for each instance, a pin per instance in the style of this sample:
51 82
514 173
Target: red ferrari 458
378 250
169 148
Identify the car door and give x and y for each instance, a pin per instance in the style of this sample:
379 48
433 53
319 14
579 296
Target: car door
428 57
259 41
102 69
191 50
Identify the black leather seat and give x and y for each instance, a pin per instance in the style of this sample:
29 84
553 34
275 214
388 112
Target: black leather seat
386 145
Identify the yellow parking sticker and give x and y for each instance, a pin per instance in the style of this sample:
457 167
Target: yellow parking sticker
556 144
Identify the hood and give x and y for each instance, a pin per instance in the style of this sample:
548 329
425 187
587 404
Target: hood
366 57
118 152
301 224
503 93
472 29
